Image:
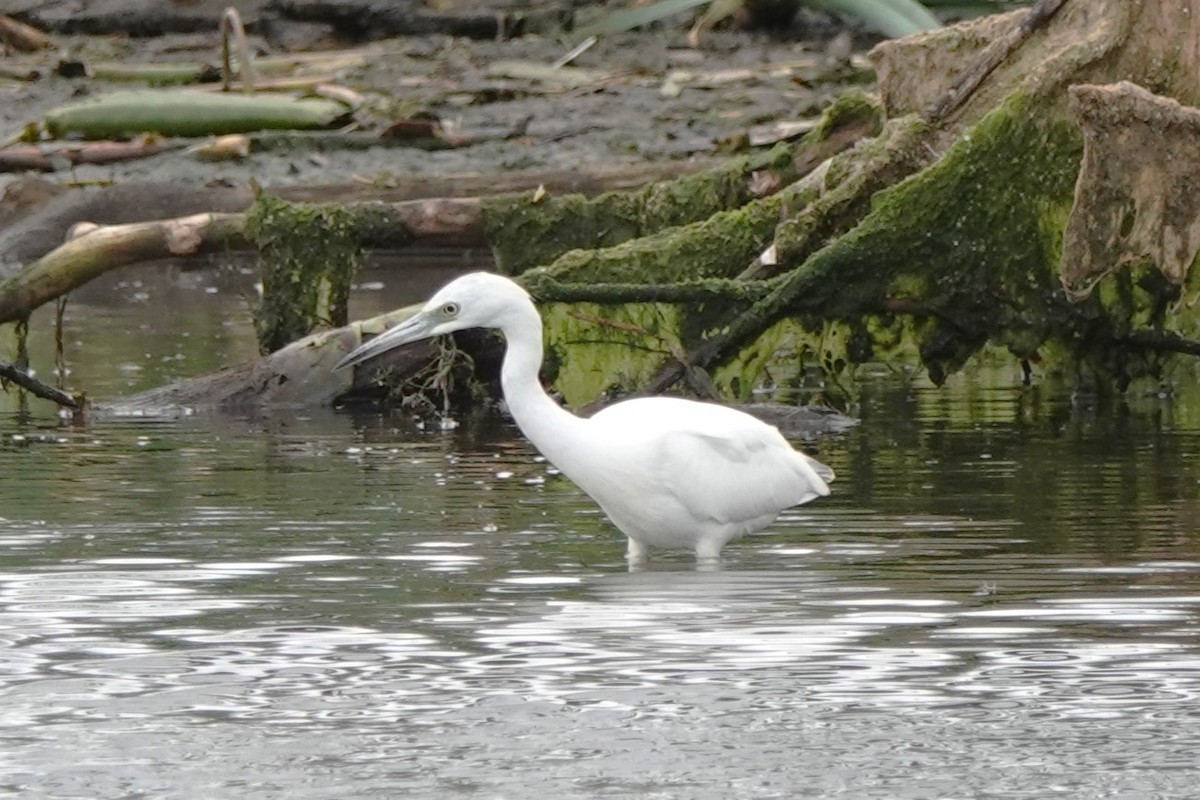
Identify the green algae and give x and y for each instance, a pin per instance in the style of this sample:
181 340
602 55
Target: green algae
532 229
309 254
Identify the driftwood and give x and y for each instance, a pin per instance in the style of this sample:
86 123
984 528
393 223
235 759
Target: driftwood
429 222
1136 194
22 37
45 212
26 158
84 257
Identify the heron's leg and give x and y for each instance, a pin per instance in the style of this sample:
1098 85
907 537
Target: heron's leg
708 552
636 554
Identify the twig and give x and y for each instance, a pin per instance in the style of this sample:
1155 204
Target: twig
20 158
9 372
231 22
23 37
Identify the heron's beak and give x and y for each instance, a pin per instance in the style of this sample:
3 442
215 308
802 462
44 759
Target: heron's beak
413 329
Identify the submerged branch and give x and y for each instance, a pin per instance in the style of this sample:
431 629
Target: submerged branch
9 372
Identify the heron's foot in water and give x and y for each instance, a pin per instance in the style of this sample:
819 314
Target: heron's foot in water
708 557
636 555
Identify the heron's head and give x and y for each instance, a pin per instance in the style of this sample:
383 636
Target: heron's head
477 300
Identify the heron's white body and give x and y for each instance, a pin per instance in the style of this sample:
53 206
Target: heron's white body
668 472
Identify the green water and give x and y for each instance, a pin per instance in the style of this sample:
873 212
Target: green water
998 600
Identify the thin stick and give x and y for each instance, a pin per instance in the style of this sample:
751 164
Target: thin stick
9 372
231 22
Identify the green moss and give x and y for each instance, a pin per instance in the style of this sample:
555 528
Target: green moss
959 258
721 245
606 349
851 109
532 229
308 256
974 238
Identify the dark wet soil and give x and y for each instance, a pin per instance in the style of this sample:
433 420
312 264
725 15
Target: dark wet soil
634 97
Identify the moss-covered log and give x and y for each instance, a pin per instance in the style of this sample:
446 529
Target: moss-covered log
946 233
308 256
698 225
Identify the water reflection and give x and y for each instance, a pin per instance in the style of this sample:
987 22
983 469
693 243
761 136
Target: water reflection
286 607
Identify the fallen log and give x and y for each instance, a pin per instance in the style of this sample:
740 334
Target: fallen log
431 221
38 229
1136 202
80 260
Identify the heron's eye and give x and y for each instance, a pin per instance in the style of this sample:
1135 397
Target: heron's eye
450 310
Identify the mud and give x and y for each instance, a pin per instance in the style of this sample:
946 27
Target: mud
633 97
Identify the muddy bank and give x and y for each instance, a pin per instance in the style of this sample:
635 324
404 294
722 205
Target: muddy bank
631 98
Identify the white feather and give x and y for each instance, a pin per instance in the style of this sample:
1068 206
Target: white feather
668 472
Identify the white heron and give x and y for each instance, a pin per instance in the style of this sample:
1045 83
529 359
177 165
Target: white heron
668 472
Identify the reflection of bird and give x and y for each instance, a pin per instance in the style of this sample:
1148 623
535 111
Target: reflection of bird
668 472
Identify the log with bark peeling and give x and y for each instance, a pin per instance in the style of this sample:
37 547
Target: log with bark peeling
430 222
1136 198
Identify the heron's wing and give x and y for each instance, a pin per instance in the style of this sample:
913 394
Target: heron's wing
718 462
737 475
823 471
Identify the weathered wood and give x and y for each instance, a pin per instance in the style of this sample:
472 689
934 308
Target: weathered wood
39 229
22 37
78 261
1136 197
991 57
430 222
9 372
42 158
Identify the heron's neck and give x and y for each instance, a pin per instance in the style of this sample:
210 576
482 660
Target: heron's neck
550 427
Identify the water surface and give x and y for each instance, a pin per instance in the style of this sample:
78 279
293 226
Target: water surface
999 600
